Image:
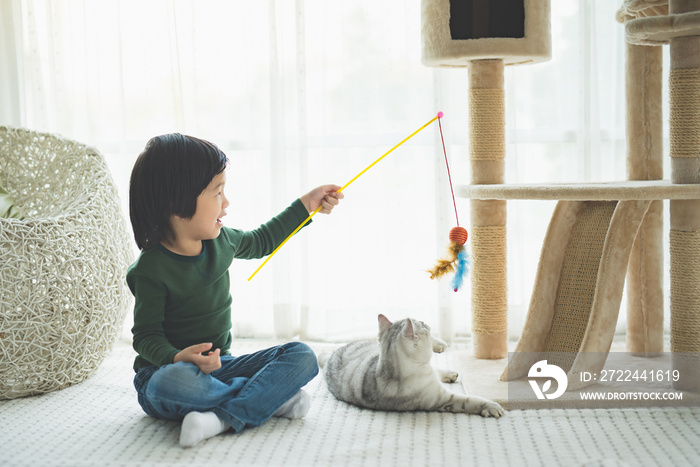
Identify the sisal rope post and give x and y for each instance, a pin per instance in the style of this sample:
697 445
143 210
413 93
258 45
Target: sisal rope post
645 307
488 217
684 85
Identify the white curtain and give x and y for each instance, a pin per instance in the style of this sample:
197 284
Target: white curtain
309 92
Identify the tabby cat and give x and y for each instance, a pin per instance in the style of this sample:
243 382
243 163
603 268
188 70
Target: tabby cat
395 373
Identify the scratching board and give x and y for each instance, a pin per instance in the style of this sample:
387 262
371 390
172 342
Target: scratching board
579 284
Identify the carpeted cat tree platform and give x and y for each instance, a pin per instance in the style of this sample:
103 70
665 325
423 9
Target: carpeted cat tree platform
599 233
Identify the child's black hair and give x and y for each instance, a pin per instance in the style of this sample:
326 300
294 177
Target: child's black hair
168 176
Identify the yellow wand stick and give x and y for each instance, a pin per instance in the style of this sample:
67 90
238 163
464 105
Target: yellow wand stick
439 115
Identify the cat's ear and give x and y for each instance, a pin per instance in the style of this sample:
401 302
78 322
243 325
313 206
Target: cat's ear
384 322
408 332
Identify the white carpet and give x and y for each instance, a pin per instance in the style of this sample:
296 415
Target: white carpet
99 422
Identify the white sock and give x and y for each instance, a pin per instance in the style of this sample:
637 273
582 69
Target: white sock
296 407
198 426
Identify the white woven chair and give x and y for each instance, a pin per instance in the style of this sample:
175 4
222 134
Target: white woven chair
63 296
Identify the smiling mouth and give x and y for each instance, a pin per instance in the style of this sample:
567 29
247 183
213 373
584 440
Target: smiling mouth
219 221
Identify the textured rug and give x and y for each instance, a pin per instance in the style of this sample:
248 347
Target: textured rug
98 422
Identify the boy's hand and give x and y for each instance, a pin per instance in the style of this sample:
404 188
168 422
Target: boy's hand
193 354
326 196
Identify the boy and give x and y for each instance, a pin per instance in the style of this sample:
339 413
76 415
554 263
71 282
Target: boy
182 311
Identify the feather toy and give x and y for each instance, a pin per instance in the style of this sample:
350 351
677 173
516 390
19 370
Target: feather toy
458 259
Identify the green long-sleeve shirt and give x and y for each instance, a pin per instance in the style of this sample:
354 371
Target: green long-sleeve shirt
185 300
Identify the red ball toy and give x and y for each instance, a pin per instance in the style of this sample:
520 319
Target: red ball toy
459 235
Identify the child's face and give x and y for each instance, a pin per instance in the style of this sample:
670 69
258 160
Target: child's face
211 207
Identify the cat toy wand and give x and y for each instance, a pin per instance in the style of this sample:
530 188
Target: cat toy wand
439 115
458 260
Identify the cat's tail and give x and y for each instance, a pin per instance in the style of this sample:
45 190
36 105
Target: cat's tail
323 358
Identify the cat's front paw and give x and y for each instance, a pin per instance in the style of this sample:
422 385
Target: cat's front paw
492 409
439 346
447 376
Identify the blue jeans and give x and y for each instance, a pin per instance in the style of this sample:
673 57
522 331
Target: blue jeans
245 392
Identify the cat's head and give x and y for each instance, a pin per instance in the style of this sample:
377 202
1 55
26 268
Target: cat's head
409 336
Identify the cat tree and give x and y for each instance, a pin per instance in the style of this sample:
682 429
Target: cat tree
681 29
598 232
485 37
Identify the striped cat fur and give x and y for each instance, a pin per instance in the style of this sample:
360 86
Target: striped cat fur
394 373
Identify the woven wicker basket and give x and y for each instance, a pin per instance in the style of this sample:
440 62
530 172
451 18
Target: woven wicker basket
63 297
